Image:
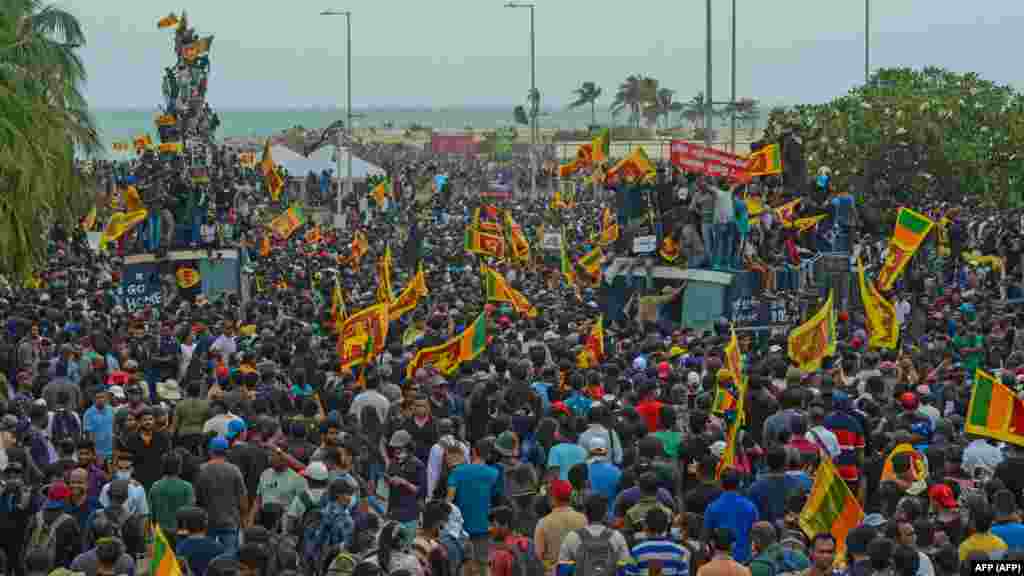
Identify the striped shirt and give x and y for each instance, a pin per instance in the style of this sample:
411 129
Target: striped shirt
673 558
850 434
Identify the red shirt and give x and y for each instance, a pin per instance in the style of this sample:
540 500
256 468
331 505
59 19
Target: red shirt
650 410
802 444
501 558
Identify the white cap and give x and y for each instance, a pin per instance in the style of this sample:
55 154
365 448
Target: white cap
316 471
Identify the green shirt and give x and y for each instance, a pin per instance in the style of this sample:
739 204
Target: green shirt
971 360
669 442
166 497
280 487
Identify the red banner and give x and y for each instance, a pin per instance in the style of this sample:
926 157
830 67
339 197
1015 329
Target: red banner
698 158
453 144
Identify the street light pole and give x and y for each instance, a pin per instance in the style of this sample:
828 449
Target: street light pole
534 104
348 110
867 40
707 88
732 99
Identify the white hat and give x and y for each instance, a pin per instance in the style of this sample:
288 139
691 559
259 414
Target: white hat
116 392
316 471
693 378
718 448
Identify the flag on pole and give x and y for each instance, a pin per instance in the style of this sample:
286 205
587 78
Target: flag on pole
164 562
994 410
90 219
363 335
734 361
338 311
883 328
447 357
831 507
275 184
410 296
567 269
815 339
609 227
497 289
381 192
593 348
168 21
911 229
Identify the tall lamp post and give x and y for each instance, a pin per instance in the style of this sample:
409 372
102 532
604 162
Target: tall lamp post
708 102
348 108
534 97
867 40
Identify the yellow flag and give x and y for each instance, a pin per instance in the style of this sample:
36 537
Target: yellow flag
815 339
881 314
167 21
121 222
90 220
132 200
384 293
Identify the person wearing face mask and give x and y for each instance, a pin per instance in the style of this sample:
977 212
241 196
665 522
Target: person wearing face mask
278 484
135 500
316 481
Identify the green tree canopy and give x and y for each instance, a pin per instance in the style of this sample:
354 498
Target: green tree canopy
918 131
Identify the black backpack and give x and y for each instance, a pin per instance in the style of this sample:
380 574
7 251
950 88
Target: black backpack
596 556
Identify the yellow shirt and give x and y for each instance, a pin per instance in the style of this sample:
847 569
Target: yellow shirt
986 542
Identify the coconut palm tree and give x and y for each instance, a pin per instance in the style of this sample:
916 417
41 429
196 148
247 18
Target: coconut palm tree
587 93
44 120
629 96
665 105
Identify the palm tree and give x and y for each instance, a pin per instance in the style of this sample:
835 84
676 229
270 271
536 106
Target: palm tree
629 96
588 93
665 106
44 119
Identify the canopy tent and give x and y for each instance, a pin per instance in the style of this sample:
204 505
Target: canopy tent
299 166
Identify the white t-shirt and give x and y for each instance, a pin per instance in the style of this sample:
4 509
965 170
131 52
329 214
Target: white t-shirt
186 358
902 311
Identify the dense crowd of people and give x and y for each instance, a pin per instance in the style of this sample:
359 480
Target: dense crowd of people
230 427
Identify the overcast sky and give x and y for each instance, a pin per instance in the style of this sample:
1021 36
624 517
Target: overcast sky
451 53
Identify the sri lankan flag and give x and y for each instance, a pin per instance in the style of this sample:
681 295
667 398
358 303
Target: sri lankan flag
410 296
384 292
883 328
765 161
142 142
496 289
567 169
911 229
363 335
381 192
831 507
593 348
636 166
313 235
357 249
735 364
609 227
164 562
599 147
995 411
446 357
119 224
275 184
786 213
484 243
557 203
516 239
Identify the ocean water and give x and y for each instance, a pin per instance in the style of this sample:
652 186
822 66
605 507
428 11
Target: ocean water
120 125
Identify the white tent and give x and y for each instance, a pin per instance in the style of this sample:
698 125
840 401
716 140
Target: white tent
323 159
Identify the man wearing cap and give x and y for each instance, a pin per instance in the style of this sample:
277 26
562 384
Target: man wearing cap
603 475
59 523
407 478
220 489
552 529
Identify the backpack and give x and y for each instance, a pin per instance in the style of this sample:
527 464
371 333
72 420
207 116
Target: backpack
65 427
127 527
44 536
595 556
781 563
525 562
346 563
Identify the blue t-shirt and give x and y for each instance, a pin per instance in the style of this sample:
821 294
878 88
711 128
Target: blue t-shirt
1012 533
738 514
474 486
101 426
565 456
604 478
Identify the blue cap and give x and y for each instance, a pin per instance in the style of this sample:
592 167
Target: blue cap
218 444
236 428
